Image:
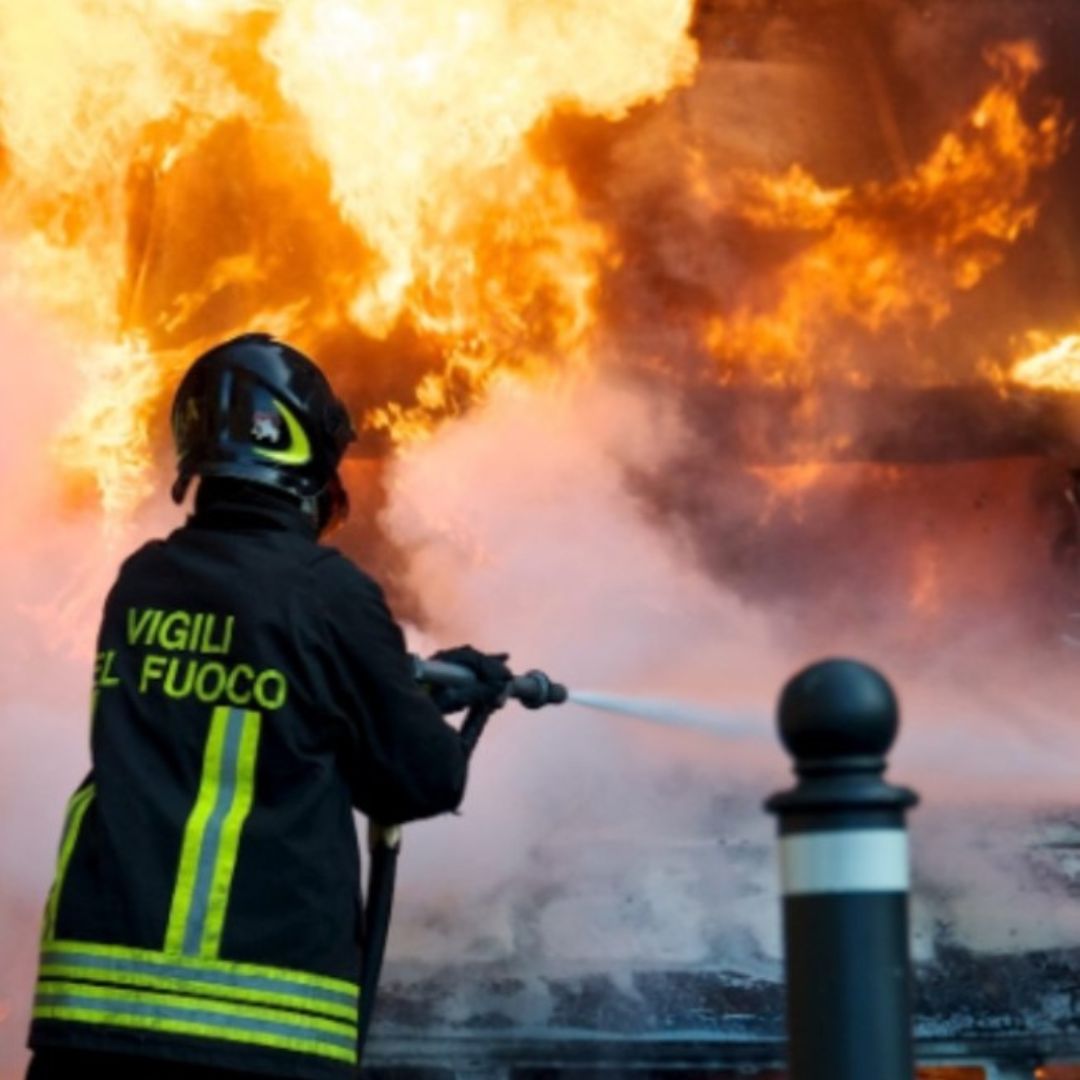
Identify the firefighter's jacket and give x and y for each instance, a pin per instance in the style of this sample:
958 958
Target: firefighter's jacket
250 689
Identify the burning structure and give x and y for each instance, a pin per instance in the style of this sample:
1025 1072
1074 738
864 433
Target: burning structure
771 309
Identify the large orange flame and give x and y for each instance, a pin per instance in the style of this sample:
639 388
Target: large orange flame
183 169
380 171
882 254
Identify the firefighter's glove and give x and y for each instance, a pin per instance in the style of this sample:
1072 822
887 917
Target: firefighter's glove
488 692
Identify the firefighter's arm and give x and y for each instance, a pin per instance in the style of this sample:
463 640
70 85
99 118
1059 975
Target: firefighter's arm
403 760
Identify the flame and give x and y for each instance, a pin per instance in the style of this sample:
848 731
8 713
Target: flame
173 171
489 320
786 487
451 91
107 442
1051 364
880 254
384 175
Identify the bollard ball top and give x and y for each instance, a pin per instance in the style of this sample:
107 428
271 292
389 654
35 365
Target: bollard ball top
838 709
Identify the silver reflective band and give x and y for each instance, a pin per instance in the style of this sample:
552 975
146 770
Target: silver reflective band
852 861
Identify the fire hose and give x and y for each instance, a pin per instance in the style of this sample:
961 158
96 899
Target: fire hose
533 690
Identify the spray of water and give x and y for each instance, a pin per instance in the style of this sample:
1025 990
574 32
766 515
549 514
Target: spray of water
726 723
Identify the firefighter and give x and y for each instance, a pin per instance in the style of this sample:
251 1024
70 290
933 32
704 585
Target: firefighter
251 688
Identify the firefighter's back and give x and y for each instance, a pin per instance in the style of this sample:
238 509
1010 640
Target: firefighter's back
205 907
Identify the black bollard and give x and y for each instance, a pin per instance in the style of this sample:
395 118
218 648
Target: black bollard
844 875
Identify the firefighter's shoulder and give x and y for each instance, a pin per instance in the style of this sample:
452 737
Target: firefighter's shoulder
341 582
140 556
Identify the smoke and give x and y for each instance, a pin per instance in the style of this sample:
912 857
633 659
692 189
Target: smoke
57 564
593 842
41 749
521 535
939 513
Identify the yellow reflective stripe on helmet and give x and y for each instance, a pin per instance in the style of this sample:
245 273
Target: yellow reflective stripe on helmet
212 834
225 971
298 451
196 1016
78 804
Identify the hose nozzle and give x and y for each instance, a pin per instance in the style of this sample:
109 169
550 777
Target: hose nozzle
534 689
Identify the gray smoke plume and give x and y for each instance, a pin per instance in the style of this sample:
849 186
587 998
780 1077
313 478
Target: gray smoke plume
583 580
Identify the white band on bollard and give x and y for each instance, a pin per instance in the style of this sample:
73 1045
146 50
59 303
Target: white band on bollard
844 861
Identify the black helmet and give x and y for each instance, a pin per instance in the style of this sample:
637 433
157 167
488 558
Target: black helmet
255 409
